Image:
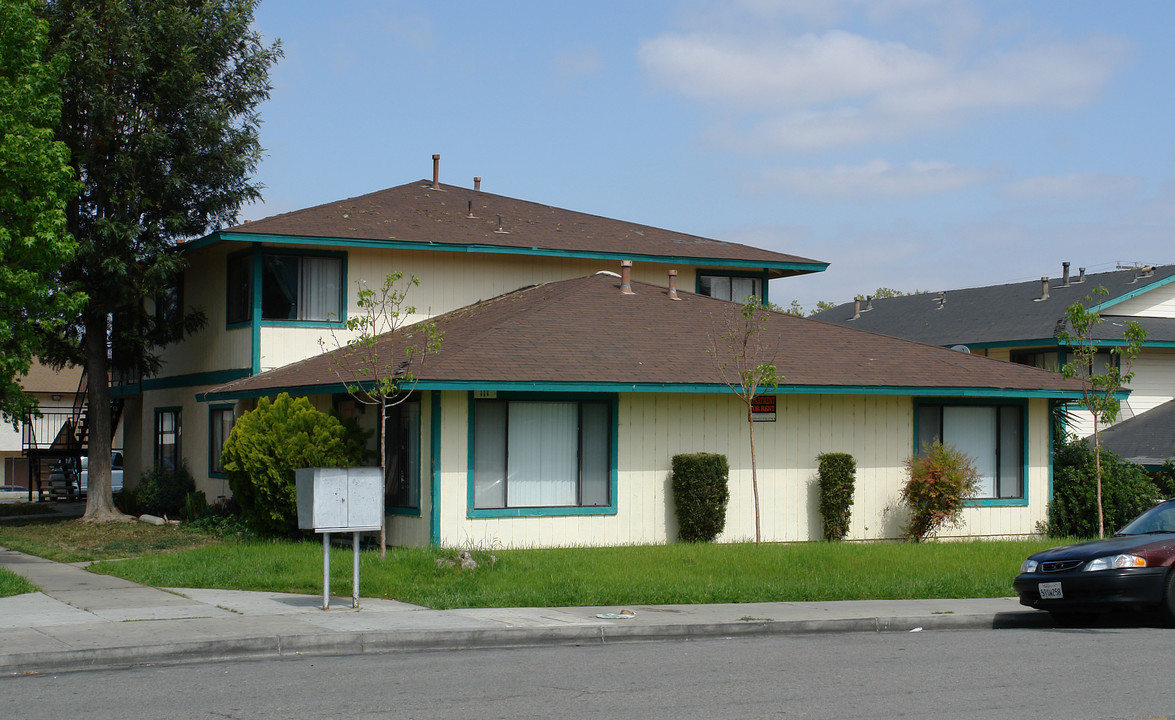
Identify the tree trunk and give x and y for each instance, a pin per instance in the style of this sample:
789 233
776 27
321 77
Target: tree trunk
99 496
383 469
754 472
1097 463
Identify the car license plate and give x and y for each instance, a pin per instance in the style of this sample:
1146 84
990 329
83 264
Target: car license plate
1050 591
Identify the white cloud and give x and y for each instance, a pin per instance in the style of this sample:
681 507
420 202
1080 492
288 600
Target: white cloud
1073 186
838 89
877 179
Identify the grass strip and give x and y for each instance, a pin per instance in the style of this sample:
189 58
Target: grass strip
658 574
13 584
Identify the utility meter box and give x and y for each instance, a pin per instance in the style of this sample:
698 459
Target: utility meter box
339 499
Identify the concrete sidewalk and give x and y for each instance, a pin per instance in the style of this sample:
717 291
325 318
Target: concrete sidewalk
83 620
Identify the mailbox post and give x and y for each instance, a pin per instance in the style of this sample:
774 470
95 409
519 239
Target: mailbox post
340 500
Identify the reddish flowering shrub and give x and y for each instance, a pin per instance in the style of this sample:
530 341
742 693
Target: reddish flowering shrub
940 482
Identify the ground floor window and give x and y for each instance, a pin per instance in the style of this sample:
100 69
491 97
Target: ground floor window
542 453
402 458
220 424
167 438
992 435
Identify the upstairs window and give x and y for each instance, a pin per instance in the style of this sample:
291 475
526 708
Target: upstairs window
730 287
293 287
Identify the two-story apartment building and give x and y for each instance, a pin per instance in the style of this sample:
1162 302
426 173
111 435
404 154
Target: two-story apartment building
561 392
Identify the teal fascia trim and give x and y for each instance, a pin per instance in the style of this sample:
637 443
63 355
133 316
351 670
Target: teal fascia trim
1132 294
501 250
613 470
556 387
1025 344
434 453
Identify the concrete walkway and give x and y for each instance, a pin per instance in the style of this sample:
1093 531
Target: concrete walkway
83 620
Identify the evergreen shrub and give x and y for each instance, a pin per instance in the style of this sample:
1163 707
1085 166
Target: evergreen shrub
837 473
268 444
161 491
1126 491
700 495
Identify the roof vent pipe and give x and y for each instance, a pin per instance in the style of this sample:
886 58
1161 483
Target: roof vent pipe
1081 276
1044 290
436 172
477 184
942 299
626 277
868 303
673 285
1064 274
856 308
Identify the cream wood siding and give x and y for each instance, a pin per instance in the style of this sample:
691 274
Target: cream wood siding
876 430
1159 302
1153 385
140 454
999 353
214 347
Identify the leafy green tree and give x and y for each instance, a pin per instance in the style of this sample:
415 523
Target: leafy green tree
746 363
1099 388
365 362
159 115
35 183
821 306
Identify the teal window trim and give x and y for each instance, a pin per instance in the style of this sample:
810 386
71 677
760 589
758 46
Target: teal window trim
434 441
762 275
563 510
919 403
179 448
213 451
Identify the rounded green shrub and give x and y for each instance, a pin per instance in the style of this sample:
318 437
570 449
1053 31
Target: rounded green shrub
161 491
936 492
700 495
1126 491
838 474
268 444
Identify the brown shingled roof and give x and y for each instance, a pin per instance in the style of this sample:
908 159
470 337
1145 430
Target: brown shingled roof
586 332
416 213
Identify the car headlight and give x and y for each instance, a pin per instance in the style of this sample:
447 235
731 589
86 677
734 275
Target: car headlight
1029 566
1115 562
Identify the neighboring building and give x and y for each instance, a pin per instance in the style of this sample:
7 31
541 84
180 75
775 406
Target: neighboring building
1147 439
1019 322
557 402
56 392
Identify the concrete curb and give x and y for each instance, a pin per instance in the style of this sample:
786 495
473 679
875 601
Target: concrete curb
377 642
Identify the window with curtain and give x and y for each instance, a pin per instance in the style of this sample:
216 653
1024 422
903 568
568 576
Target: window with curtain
542 454
992 435
730 287
293 287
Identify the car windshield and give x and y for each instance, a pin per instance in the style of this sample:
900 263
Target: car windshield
1159 519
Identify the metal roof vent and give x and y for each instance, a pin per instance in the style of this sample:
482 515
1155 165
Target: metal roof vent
1044 290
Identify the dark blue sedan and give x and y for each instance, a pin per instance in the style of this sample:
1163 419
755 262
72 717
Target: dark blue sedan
1131 570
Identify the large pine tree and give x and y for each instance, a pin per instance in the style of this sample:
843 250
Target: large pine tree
159 112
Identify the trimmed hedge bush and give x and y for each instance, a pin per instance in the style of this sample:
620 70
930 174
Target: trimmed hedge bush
268 444
1126 492
838 475
700 495
936 492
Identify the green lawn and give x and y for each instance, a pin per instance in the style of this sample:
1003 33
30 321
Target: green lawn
13 584
660 574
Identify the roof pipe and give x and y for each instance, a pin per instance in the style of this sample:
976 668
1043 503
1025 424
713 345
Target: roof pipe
1044 289
673 285
1064 274
436 172
626 277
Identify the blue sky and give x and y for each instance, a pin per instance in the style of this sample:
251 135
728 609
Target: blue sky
913 144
